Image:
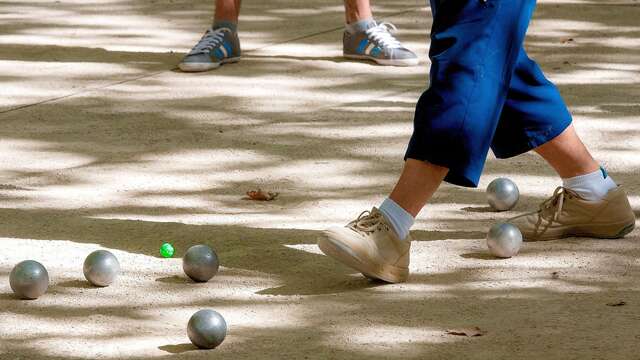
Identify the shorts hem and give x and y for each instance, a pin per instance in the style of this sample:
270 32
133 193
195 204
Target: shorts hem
533 142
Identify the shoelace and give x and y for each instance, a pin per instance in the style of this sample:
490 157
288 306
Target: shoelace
381 35
367 222
211 39
557 201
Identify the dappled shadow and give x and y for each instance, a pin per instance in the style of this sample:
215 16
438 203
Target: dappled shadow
54 53
323 284
480 256
422 235
178 348
175 279
168 157
10 296
480 209
79 284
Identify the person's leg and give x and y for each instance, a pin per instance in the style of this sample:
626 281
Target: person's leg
580 173
535 117
219 44
365 39
356 10
473 51
227 10
418 182
589 203
567 155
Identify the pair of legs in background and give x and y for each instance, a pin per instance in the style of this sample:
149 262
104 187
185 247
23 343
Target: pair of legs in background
363 39
484 92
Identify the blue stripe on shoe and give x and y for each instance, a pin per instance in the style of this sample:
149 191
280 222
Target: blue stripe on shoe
375 51
363 44
218 53
227 47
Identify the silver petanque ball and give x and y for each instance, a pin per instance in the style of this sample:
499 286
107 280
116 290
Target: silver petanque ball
207 329
200 263
504 240
29 279
502 194
101 268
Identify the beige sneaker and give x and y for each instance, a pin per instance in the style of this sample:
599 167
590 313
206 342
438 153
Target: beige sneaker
566 214
369 245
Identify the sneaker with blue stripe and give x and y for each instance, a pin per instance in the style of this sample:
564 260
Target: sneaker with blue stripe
216 47
378 44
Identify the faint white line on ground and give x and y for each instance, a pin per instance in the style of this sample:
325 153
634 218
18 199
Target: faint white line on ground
149 75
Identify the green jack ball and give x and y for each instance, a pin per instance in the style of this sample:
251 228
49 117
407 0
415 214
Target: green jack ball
167 250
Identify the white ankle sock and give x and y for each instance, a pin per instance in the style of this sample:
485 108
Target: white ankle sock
401 221
592 186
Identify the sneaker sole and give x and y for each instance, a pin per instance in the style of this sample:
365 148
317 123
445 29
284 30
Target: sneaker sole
335 250
201 67
386 62
617 231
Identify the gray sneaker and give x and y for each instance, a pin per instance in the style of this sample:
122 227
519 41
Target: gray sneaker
216 47
378 44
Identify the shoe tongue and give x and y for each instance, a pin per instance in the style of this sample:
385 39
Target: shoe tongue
221 29
375 212
572 193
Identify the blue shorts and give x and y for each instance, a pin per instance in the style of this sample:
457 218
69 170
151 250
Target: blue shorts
484 92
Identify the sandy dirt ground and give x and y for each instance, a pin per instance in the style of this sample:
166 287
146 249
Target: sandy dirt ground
104 145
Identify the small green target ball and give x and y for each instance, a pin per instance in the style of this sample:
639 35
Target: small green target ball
167 250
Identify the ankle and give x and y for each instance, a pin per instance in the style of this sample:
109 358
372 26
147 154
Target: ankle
360 25
592 186
399 219
220 23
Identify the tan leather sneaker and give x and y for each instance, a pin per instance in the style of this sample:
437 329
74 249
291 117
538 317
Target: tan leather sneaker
369 245
566 214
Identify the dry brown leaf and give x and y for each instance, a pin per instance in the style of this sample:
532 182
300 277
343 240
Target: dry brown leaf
555 275
619 303
567 40
260 195
469 332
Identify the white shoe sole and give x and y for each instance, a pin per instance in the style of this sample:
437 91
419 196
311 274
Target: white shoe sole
335 250
386 62
200 67
598 231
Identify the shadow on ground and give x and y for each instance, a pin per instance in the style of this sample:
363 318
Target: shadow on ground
169 156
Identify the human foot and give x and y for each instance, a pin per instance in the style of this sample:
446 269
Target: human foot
369 245
566 214
377 44
216 47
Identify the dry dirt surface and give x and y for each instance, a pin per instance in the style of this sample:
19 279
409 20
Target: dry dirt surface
103 145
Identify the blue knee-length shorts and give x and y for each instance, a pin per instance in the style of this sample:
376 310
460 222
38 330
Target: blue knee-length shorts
484 91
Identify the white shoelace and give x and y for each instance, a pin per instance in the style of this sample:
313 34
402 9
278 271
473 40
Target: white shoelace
368 222
556 202
381 34
211 39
